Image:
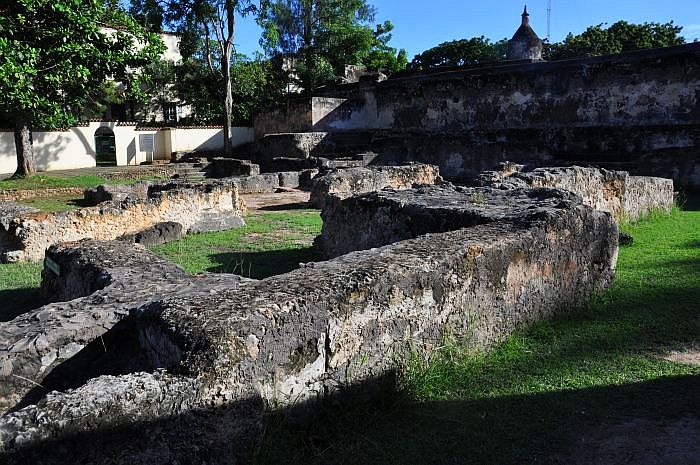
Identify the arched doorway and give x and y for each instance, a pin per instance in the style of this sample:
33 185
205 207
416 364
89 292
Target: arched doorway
105 148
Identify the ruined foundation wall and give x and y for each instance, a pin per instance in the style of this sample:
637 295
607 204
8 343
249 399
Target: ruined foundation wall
217 357
344 183
187 204
628 198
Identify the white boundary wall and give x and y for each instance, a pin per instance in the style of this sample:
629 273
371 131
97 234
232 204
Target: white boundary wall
75 148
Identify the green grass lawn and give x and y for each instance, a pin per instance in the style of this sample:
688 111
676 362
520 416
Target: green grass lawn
269 244
61 202
41 181
539 391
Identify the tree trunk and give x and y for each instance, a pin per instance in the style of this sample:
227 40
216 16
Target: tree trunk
228 107
226 67
25 152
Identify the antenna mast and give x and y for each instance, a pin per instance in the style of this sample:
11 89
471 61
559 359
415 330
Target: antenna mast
549 20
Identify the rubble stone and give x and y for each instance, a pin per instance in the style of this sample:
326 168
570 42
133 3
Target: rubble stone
346 182
626 197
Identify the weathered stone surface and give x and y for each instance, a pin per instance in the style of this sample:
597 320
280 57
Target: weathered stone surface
379 218
262 183
186 203
342 323
291 145
216 222
289 179
116 192
97 285
226 167
626 197
160 234
347 182
157 422
625 239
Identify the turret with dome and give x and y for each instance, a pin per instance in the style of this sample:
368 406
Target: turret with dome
525 45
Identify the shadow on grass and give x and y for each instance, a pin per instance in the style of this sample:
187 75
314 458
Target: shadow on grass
624 424
259 265
18 301
287 206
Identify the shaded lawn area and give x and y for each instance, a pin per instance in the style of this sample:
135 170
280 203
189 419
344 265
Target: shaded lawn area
19 289
541 394
269 244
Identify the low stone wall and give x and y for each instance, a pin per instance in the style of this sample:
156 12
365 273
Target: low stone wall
346 182
95 286
627 197
210 359
27 236
226 167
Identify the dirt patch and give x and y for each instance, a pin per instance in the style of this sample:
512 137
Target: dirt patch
288 200
690 356
641 442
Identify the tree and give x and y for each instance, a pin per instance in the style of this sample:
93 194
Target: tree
620 37
207 29
383 57
195 86
474 51
55 54
148 13
322 36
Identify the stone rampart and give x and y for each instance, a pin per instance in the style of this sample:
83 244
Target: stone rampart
202 362
640 109
27 236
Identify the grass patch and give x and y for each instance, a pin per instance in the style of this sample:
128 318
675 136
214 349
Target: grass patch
543 389
269 244
57 203
42 181
19 289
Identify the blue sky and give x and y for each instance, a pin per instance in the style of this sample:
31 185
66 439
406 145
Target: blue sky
420 25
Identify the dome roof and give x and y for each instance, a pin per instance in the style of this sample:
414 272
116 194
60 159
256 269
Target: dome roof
525 32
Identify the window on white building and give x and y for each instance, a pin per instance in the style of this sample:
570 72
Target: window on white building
170 112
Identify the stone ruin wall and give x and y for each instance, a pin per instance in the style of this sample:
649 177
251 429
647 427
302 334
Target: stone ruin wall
628 198
27 236
347 182
211 359
143 363
638 111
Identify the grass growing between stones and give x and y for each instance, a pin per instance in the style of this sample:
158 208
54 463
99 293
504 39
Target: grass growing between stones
269 244
551 393
19 289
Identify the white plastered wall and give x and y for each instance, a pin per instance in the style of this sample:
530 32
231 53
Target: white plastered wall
75 148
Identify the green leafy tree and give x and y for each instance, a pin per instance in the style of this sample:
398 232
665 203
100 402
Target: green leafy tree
474 51
148 13
195 86
207 29
620 37
383 57
321 36
55 56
